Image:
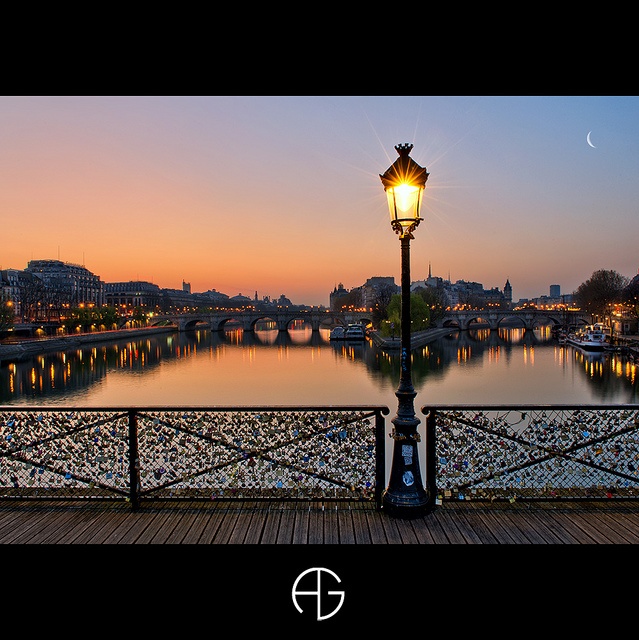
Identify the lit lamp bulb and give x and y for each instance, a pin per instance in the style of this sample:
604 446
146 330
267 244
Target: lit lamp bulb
404 183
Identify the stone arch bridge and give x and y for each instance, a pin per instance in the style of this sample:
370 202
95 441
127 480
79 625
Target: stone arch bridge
527 318
283 318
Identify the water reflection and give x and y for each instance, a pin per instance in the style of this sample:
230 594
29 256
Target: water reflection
63 373
602 371
301 366
476 348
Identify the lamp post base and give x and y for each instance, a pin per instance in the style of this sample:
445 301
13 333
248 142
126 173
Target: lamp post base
407 505
405 496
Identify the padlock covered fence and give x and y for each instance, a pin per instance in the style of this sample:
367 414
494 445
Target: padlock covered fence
479 452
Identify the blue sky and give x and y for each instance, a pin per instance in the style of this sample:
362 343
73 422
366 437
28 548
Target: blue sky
281 194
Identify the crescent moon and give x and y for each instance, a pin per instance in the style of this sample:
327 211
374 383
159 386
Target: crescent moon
588 140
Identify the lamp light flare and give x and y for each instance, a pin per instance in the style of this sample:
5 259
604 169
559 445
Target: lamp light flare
404 183
404 196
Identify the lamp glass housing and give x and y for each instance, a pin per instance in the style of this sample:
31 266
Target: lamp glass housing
404 183
404 204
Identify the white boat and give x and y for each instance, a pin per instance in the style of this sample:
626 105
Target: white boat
589 338
337 333
355 332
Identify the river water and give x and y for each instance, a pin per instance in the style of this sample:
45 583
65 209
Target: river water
302 367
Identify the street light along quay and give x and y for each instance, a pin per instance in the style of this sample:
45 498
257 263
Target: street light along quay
405 497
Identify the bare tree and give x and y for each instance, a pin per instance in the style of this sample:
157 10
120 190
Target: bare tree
352 299
604 287
434 298
382 297
32 293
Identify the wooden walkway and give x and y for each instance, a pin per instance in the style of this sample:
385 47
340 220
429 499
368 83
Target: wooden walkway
317 523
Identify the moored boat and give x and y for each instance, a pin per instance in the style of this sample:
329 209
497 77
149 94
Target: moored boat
590 338
355 332
337 333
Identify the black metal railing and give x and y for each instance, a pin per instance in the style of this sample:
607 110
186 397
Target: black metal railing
478 452
193 453
533 451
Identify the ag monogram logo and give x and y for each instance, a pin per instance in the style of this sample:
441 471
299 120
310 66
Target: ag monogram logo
313 579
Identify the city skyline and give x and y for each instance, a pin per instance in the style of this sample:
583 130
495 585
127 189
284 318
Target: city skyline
553 290
281 194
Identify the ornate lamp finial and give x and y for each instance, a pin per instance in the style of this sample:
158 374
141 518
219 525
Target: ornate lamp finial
404 149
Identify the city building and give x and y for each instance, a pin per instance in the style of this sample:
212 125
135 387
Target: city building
177 299
433 282
240 300
211 298
376 286
334 297
283 301
16 284
135 293
73 283
508 294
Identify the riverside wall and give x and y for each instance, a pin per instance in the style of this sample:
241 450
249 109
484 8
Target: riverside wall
11 351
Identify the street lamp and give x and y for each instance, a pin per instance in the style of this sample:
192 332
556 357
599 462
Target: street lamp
405 496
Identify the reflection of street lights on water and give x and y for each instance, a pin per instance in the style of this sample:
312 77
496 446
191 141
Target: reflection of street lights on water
405 497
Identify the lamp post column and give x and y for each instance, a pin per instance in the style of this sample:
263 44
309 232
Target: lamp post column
405 378
405 496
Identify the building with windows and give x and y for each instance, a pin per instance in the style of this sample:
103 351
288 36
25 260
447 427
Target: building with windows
72 283
373 287
177 300
135 293
12 282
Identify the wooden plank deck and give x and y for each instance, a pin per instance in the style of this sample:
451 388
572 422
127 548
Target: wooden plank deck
317 523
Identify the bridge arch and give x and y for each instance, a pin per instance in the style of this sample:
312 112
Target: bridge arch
152 322
447 323
512 320
476 323
189 325
542 321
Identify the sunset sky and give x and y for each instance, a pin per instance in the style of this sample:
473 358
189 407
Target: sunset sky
282 195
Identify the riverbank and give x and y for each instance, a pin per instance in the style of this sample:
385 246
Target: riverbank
417 339
12 351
